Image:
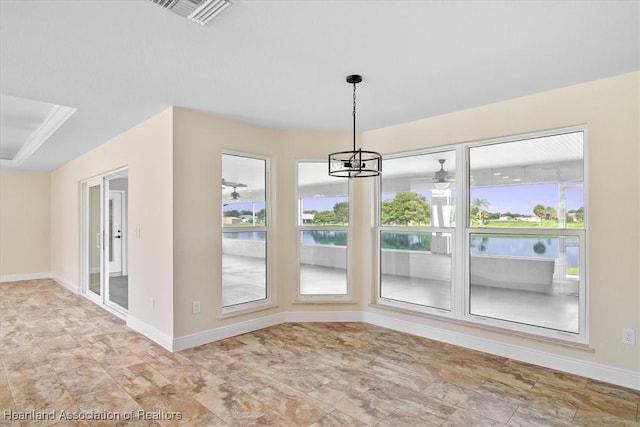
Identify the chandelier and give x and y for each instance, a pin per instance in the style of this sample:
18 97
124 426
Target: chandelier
355 163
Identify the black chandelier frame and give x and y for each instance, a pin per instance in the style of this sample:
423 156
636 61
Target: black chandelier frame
356 163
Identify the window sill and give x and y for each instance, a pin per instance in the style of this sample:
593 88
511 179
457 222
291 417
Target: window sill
246 310
301 301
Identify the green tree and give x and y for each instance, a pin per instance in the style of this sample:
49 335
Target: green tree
479 214
341 211
406 208
262 214
551 213
324 217
540 211
232 213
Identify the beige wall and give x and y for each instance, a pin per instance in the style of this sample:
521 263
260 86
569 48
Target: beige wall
25 223
199 140
146 150
610 109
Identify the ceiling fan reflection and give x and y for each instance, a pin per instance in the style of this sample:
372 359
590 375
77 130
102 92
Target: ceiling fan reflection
234 194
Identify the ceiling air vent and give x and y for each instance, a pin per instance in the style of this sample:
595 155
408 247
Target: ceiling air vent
198 11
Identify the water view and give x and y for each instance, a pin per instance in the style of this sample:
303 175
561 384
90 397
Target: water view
527 247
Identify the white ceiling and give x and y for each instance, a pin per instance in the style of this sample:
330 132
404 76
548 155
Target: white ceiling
283 63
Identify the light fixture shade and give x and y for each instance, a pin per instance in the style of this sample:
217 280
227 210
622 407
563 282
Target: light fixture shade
355 164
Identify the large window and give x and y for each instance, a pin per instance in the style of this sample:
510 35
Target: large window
513 257
417 216
323 222
245 231
526 239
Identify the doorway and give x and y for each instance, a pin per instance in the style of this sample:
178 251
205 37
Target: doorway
105 278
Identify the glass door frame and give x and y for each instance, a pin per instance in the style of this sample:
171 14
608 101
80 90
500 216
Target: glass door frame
87 239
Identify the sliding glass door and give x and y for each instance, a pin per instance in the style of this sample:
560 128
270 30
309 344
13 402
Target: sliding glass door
104 259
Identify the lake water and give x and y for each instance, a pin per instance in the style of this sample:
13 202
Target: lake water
526 246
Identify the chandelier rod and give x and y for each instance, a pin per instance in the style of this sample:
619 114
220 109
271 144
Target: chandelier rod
354 116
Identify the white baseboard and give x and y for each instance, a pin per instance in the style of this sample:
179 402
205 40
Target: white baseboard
211 335
67 284
150 332
580 367
205 337
28 276
323 316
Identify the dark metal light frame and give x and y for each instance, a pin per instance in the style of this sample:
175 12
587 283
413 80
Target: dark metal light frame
355 163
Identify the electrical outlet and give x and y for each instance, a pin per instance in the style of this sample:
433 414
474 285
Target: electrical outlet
628 336
196 307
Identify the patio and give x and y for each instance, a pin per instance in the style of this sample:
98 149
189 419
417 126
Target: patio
244 281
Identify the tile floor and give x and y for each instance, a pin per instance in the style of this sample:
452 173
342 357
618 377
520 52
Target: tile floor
60 352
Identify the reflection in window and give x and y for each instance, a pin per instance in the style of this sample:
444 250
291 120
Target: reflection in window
243 191
322 199
417 213
526 279
410 272
323 262
419 191
323 219
529 183
245 233
244 267
526 239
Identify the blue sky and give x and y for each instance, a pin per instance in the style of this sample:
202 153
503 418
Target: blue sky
522 198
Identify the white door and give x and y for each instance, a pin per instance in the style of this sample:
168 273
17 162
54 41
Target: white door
116 235
103 249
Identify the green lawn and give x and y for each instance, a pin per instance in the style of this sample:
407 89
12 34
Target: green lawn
573 271
245 224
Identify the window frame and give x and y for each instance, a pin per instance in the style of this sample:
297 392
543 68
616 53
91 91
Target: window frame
270 297
299 228
460 291
582 337
455 239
